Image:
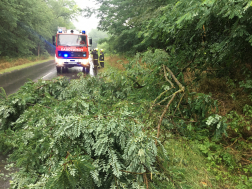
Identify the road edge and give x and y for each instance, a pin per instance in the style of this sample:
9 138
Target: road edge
9 77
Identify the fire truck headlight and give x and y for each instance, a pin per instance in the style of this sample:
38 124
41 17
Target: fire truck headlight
65 55
84 55
85 62
60 62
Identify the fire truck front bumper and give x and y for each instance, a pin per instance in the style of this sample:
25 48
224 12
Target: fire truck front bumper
72 62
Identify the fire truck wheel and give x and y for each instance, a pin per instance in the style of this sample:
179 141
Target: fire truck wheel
64 69
87 70
58 69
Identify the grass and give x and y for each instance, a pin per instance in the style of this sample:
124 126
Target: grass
20 63
187 165
113 61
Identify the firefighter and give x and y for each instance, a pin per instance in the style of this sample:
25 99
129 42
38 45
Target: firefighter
101 58
95 60
95 56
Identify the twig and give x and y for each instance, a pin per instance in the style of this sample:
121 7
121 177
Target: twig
176 80
181 90
159 98
172 86
163 100
183 119
178 104
232 144
145 180
224 107
162 116
246 160
133 172
115 182
165 74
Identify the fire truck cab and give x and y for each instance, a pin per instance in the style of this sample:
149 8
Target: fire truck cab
71 49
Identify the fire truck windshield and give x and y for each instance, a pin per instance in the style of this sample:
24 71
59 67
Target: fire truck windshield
72 40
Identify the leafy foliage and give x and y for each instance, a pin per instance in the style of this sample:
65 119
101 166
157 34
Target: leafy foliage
98 132
196 34
210 38
71 135
28 25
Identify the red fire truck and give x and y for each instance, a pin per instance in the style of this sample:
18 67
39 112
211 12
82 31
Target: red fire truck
71 49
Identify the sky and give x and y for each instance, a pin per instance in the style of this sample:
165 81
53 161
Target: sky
84 23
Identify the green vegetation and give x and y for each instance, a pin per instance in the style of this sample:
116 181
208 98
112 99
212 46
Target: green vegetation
73 131
176 115
98 132
27 26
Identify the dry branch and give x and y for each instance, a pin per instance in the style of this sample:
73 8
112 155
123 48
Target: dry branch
162 116
159 96
165 74
181 90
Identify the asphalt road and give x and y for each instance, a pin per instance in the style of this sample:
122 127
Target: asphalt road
12 81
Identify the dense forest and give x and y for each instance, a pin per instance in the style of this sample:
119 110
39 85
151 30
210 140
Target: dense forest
27 26
176 115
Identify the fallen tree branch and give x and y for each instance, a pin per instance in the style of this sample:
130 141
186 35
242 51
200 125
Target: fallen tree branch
176 80
172 86
159 98
178 104
181 90
163 100
165 74
162 116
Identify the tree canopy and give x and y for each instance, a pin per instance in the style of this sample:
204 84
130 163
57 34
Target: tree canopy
203 32
28 25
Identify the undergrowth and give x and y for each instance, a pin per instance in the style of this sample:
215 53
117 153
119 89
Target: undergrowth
137 128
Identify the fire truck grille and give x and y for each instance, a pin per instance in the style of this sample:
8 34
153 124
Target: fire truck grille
71 54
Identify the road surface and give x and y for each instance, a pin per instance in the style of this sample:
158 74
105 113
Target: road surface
11 82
